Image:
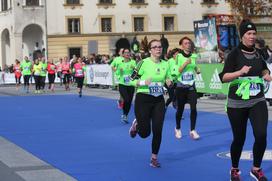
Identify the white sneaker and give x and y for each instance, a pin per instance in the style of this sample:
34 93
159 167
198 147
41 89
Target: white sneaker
194 135
178 133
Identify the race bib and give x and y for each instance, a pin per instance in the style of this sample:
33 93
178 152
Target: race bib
187 78
126 79
254 89
79 72
26 68
156 89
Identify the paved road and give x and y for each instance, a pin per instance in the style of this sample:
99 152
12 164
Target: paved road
17 164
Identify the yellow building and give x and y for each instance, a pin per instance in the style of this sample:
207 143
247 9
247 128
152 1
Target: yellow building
82 27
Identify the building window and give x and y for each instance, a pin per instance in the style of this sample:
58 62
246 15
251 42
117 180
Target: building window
77 51
138 1
168 1
209 1
4 5
32 2
169 24
73 25
72 2
106 25
105 1
139 24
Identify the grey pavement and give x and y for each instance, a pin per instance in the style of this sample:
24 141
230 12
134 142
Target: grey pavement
16 164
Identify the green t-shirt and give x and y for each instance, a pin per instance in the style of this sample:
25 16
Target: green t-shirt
26 67
115 63
127 69
157 72
173 66
187 76
43 69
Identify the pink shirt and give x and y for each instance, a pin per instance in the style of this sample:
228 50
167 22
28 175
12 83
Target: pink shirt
79 72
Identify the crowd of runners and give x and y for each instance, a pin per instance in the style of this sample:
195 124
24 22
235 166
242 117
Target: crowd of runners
244 68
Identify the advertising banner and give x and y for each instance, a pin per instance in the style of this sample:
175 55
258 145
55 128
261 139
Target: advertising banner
99 74
206 41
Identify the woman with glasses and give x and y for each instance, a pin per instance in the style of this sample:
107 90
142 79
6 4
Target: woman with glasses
125 69
152 73
185 88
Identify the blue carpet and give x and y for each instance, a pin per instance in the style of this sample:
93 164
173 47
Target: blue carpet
85 138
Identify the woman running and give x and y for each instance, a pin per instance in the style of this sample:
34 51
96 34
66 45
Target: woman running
79 70
18 73
36 70
173 66
51 69
66 72
149 101
245 69
125 69
26 67
186 90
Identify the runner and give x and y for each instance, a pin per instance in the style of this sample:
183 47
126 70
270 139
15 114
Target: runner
26 67
43 73
59 71
125 69
66 73
186 90
51 69
79 70
18 73
245 69
114 65
149 101
173 65
36 70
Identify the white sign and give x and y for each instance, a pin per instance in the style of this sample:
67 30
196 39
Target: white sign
99 74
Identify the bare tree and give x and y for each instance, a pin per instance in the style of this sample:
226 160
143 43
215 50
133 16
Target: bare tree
246 9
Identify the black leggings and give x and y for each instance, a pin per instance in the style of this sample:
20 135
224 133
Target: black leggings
43 82
127 93
26 80
149 112
79 81
18 79
183 96
38 82
172 95
258 116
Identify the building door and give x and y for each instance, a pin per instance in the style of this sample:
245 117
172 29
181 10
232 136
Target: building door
75 51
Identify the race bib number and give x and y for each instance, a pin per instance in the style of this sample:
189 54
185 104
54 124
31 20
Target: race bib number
126 79
79 72
254 89
187 78
156 89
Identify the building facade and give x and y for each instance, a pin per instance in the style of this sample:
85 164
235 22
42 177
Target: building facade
60 28
82 27
22 28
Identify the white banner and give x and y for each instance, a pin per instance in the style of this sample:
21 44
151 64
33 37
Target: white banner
99 74
9 78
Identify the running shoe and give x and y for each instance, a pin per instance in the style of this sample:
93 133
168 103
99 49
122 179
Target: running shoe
155 163
133 129
235 174
258 175
80 94
124 118
194 135
178 133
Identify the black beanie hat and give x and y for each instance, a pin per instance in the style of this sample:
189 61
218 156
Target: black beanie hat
245 26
